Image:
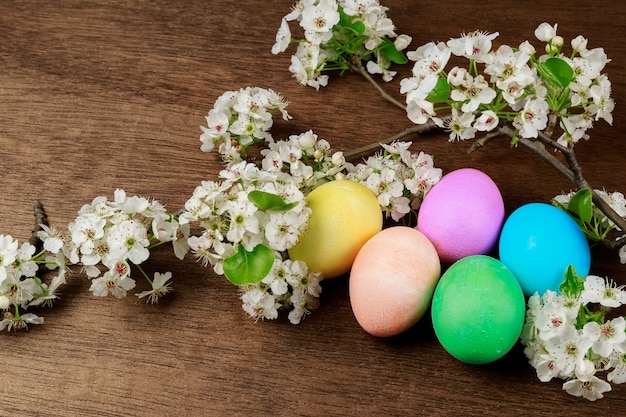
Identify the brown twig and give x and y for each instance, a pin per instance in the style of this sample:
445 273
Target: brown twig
540 149
356 153
615 244
40 218
357 67
573 172
483 141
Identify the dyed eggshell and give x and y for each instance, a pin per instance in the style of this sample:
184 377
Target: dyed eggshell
538 242
478 310
462 215
344 215
392 280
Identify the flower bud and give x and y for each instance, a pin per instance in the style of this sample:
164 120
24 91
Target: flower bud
307 140
401 42
557 41
527 48
338 158
545 32
554 45
579 43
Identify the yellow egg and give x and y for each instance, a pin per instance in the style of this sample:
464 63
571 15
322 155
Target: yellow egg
344 215
392 281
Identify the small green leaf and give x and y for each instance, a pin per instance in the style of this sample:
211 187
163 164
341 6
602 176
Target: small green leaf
557 72
573 284
344 20
581 204
440 93
390 51
358 27
269 201
245 267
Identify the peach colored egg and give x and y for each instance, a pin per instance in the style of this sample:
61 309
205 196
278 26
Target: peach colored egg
392 280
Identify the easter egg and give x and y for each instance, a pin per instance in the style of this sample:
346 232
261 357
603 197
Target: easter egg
538 243
478 310
392 280
344 215
462 215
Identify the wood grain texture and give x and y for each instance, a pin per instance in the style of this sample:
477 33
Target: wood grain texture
102 95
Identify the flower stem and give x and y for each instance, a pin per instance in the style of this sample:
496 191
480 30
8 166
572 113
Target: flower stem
357 67
143 272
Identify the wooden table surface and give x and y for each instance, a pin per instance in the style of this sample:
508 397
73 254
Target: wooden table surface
98 95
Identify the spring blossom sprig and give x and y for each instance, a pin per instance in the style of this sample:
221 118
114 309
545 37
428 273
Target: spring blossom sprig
400 179
516 85
240 119
21 284
114 236
236 224
569 335
109 235
336 33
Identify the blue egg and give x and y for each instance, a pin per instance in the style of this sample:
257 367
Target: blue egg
538 242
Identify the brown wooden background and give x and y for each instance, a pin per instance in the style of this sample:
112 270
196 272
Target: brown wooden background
98 95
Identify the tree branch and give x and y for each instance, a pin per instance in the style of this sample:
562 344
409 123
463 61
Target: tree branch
357 67
356 153
615 244
573 173
483 141
540 149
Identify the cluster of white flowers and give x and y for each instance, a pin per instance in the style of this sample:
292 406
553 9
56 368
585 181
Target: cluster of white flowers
334 33
307 159
289 285
229 217
517 86
569 337
239 119
109 235
117 234
400 179
20 287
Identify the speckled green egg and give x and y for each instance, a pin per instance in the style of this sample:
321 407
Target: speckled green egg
478 310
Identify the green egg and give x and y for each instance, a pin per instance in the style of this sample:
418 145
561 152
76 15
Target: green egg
478 310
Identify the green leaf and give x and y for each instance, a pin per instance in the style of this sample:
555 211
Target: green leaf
245 267
573 284
390 51
269 201
581 204
557 72
440 93
358 27
344 20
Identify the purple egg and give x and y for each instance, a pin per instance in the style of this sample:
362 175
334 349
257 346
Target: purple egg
462 215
